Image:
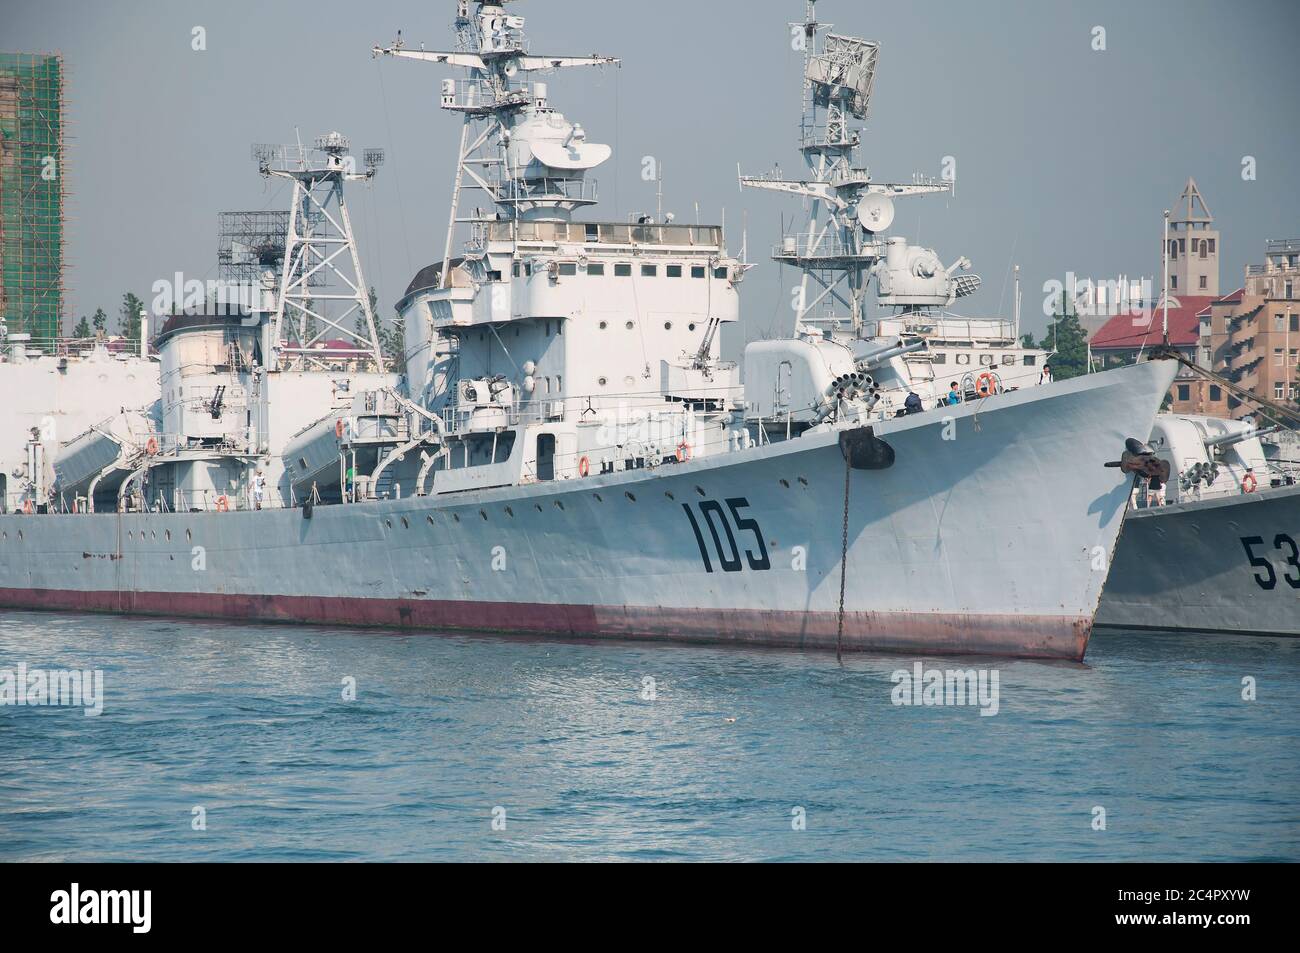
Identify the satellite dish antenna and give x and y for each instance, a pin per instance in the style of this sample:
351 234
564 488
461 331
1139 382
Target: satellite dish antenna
876 212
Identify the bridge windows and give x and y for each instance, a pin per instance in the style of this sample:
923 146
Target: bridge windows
698 271
622 270
673 271
568 268
649 271
596 268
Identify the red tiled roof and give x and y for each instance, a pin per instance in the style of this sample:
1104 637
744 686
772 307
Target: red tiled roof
1131 331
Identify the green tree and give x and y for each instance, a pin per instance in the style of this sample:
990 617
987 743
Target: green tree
82 330
100 320
391 335
1067 343
130 316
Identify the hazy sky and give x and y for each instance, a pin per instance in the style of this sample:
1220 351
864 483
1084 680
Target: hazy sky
1065 156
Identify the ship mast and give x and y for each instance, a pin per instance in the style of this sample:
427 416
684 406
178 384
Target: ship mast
839 248
320 250
495 102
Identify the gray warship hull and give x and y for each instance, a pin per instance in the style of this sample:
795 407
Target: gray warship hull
1226 565
989 534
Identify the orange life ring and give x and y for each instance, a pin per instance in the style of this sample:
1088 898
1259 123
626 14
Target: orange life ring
223 504
338 428
151 446
584 467
683 452
1249 484
986 385
28 508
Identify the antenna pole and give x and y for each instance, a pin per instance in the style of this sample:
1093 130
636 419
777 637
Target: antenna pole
445 274
1016 303
1165 281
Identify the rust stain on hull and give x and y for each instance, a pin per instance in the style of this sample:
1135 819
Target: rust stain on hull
1018 636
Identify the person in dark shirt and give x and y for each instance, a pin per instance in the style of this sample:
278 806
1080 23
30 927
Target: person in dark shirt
913 403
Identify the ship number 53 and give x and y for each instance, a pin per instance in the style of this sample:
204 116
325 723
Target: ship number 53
1266 577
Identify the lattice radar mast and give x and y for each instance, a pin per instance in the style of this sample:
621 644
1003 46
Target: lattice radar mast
525 155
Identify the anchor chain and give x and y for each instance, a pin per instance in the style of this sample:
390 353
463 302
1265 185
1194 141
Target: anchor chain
844 561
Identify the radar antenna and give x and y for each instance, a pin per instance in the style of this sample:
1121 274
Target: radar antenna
513 145
840 247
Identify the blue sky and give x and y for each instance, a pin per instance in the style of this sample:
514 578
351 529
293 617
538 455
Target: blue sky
1065 156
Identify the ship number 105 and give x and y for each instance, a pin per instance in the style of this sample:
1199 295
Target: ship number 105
713 517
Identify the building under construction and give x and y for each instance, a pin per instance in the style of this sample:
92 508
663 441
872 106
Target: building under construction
31 195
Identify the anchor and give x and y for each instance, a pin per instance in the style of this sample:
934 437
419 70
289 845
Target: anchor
1140 459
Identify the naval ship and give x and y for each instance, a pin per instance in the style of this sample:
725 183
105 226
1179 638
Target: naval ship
1217 549
569 454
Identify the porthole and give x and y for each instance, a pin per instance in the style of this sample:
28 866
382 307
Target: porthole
700 490
189 537
456 517
388 523
803 481
429 520
629 496
601 381
559 504
669 495
786 484
483 513
510 513
598 499
668 325
604 325
628 325
20 536
691 326
405 524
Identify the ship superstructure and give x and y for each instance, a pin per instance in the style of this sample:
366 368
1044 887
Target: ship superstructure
911 342
551 347
239 379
